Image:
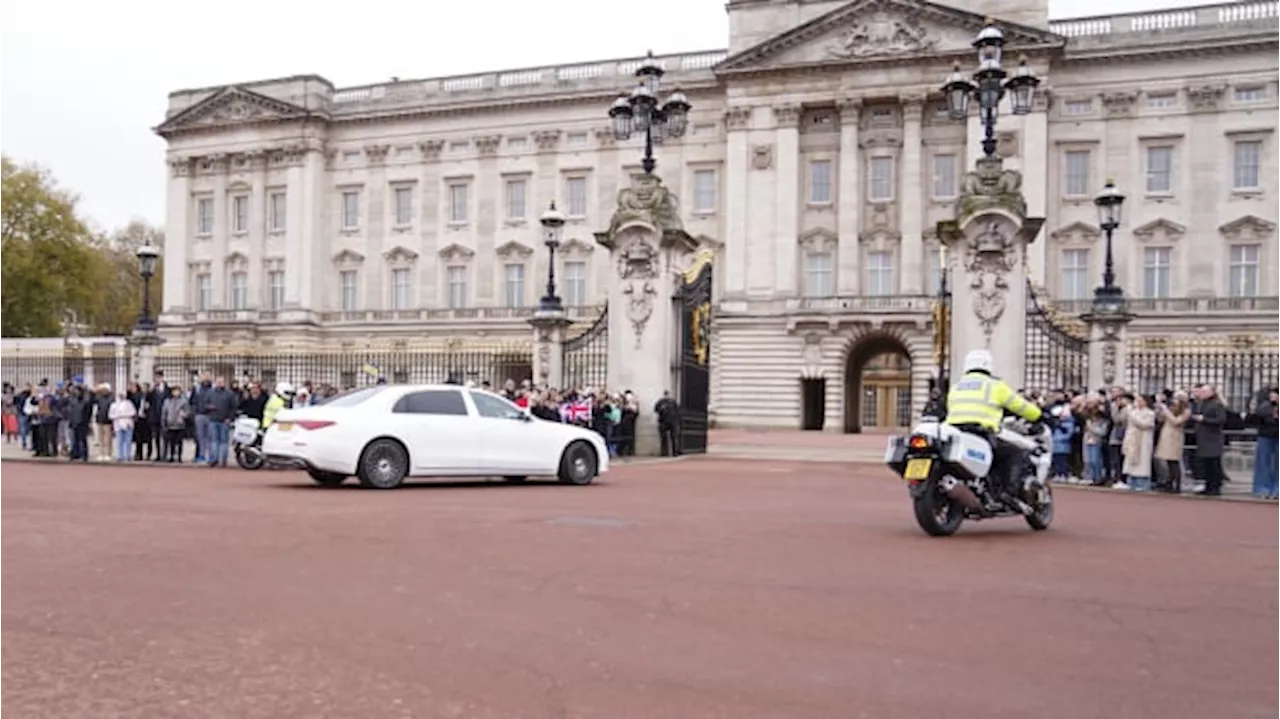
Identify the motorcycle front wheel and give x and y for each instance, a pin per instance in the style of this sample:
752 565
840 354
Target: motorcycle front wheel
936 513
249 459
1042 517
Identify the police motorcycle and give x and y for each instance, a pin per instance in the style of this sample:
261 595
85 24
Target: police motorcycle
246 442
949 474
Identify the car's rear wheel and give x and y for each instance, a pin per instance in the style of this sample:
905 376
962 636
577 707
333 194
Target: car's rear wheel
578 464
326 479
383 465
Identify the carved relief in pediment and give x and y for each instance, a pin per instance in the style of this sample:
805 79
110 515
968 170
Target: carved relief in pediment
574 246
1159 230
882 34
229 106
880 240
1247 228
348 259
400 255
513 250
818 240
456 253
1076 232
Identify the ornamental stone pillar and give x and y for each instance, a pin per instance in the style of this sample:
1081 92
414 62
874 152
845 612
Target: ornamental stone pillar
1108 348
548 347
987 251
649 250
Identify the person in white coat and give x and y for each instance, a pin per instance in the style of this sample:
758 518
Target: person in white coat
122 414
1139 441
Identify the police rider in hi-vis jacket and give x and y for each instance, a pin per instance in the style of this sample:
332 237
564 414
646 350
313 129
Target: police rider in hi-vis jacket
977 403
279 400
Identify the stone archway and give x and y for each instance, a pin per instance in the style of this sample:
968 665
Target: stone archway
877 383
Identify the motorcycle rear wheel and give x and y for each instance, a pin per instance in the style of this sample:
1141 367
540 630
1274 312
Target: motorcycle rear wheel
249 460
936 513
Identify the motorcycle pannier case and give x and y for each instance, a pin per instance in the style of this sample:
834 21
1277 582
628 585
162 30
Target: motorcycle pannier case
245 430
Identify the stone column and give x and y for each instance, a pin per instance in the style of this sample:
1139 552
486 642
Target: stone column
849 194
177 236
260 294
648 249
1108 348
143 347
987 244
911 278
220 165
787 200
488 211
737 122
548 344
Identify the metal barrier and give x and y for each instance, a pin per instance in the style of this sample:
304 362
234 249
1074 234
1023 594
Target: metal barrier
586 356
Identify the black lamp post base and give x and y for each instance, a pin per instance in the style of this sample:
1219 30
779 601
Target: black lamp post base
550 303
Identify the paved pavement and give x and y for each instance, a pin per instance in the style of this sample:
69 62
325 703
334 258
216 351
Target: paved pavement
703 588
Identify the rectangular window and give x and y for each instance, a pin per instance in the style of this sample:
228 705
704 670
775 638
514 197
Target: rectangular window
820 182
239 290
1162 101
278 218
1243 273
517 143
1248 161
879 273
350 210
275 289
1077 173
935 271
404 206
819 274
1077 107
881 185
515 199
347 286
1249 94
204 291
576 189
704 191
514 284
1156 272
1074 281
401 288
456 281
204 216
576 139
944 176
240 214
575 284
458 202
1160 169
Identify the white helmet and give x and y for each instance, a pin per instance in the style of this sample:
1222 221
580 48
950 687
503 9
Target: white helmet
284 389
978 360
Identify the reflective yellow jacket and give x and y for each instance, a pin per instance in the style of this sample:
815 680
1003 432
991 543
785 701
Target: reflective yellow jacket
274 405
982 400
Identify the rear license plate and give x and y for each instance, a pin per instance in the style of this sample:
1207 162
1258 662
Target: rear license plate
917 469
285 426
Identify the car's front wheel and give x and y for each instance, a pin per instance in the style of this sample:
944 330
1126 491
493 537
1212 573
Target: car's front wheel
578 464
383 465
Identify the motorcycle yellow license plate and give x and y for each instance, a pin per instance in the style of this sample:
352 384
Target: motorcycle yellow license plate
917 469
285 426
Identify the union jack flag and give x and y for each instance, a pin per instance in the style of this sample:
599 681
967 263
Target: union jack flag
579 411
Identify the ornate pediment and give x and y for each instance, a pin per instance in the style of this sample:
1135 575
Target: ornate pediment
400 255
232 106
574 246
237 260
818 240
878 30
1159 229
1247 228
1075 231
880 239
348 259
456 253
514 250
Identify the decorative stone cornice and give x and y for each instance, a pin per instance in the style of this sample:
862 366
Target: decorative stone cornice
546 140
181 166
1168 228
1205 98
431 149
786 115
487 145
1119 104
456 252
377 154
1080 230
513 250
737 118
400 255
1247 227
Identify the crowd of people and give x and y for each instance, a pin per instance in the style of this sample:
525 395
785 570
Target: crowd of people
1139 442
158 421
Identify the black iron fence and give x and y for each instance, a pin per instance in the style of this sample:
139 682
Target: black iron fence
92 362
586 356
1238 366
1057 350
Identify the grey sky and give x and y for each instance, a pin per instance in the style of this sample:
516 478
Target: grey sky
83 81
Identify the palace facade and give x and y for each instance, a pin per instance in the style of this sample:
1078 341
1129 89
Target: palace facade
817 162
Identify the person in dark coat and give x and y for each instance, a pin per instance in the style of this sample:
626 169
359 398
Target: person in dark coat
1266 462
79 413
1210 419
668 413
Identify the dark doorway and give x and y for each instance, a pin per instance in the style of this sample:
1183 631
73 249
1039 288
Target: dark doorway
877 387
693 300
813 404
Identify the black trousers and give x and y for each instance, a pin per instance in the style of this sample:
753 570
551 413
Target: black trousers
670 437
1211 473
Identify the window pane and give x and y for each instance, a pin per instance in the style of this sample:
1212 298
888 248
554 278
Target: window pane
1156 272
347 282
1243 273
204 216
278 209
575 284
1248 156
401 288
515 199
456 281
350 210
881 189
1074 284
515 285
1159 169
879 273
457 203
820 181
577 191
404 206
239 290
275 289
436 401
1077 174
944 176
704 191
355 396
239 214
493 407
819 279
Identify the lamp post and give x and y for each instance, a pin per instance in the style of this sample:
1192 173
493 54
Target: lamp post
944 321
640 111
1109 297
989 84
148 255
552 224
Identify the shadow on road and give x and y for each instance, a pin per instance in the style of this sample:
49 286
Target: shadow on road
451 484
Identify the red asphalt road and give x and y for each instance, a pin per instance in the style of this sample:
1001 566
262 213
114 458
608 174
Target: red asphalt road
694 589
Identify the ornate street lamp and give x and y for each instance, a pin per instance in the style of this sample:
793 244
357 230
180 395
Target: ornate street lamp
1108 299
989 84
552 225
148 255
944 322
640 111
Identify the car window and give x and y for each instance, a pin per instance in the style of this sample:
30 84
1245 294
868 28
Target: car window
495 407
432 401
354 397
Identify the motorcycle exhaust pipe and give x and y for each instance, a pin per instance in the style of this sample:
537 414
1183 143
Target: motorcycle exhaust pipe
959 491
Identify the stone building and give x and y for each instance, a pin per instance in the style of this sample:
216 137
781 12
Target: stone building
817 162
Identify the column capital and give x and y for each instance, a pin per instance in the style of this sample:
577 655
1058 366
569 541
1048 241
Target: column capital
180 166
850 109
786 115
912 105
737 118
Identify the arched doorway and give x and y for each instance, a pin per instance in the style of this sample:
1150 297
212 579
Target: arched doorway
877 384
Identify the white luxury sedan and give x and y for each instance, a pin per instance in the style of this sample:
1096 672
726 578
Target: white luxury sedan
385 433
